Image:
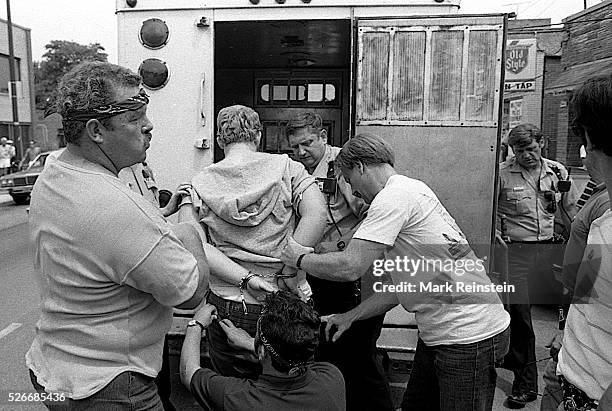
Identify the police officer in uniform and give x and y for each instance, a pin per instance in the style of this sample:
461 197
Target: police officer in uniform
355 352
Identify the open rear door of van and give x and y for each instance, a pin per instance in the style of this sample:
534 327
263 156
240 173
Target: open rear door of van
431 87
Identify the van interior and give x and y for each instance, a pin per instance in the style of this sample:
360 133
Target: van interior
281 68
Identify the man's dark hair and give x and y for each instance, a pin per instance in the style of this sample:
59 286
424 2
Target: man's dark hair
89 85
366 149
591 105
291 327
309 120
523 135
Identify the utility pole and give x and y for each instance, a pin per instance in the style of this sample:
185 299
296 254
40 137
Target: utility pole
585 6
16 130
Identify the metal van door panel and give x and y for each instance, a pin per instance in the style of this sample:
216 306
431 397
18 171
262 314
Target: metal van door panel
431 87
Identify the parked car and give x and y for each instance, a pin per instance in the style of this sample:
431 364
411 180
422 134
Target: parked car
19 185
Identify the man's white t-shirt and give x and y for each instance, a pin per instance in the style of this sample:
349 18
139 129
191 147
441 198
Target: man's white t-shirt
407 216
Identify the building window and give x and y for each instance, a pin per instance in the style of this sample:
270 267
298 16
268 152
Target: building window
4 72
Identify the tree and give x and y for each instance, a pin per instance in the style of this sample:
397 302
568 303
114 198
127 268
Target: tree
59 58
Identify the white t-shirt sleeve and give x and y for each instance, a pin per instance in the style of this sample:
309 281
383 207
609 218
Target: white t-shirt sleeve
141 251
385 220
169 273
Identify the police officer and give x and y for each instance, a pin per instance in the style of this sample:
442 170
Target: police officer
355 353
532 189
140 178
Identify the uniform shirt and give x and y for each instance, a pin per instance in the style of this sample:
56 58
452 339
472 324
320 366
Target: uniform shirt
321 387
140 178
585 359
346 209
522 208
109 270
407 216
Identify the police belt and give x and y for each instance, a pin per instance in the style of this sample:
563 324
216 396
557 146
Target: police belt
548 241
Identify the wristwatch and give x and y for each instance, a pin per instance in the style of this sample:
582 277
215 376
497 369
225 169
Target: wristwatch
196 322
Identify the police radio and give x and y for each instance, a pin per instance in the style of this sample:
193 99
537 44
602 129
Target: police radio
328 185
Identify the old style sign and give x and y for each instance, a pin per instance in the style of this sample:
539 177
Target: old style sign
520 59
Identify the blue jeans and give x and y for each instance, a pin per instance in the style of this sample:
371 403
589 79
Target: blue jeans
553 393
128 391
455 377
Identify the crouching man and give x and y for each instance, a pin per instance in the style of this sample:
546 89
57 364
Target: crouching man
286 339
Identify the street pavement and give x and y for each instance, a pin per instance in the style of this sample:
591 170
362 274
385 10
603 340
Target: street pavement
19 299
19 304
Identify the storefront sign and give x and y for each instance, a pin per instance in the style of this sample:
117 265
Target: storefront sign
519 86
516 113
520 60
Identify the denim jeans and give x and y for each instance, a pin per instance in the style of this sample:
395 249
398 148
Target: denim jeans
130 391
227 360
355 352
553 394
455 377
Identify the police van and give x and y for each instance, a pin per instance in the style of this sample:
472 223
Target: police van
426 79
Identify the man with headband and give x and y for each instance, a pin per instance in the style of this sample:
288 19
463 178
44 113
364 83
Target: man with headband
286 339
109 265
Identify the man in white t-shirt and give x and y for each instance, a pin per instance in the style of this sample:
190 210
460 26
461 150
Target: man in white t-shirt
434 273
585 359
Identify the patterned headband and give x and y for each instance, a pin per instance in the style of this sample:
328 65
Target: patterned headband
109 110
295 367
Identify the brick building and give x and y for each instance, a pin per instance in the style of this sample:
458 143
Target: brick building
24 74
540 47
587 51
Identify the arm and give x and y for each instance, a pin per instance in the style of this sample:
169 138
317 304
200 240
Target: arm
173 205
569 199
223 267
378 303
313 217
190 352
191 240
308 232
347 265
188 213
